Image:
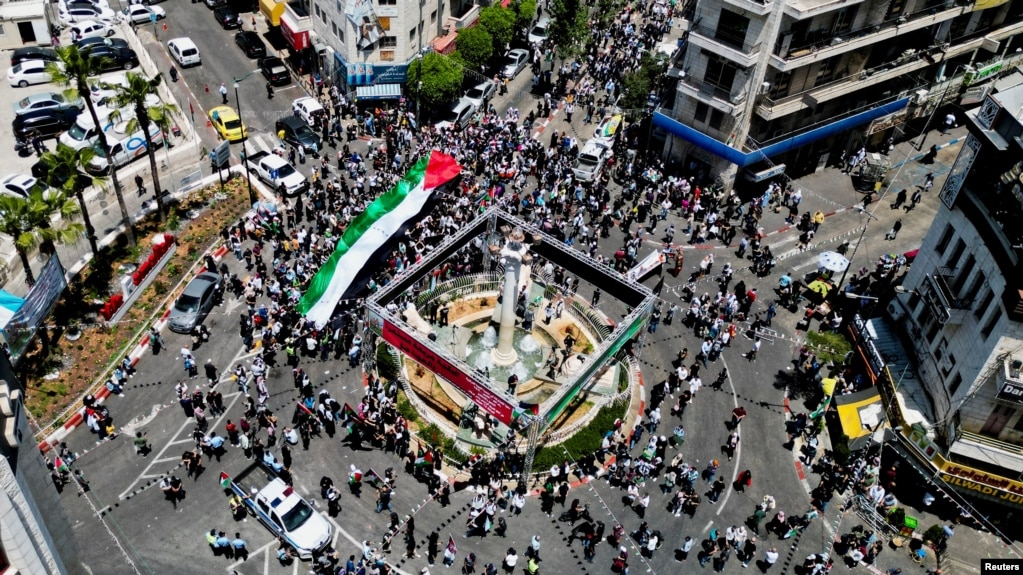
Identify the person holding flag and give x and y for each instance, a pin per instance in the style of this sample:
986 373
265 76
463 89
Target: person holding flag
450 552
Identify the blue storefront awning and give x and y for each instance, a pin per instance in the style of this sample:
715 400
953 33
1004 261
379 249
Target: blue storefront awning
743 159
379 92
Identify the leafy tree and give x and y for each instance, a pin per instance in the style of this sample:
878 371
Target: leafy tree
636 86
75 74
568 27
29 222
500 23
441 79
525 11
65 170
133 96
475 46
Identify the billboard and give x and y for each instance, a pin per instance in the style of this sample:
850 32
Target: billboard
480 394
39 302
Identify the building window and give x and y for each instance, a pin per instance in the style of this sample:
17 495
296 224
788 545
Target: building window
953 259
411 34
338 32
433 17
956 382
389 42
984 304
1018 426
387 55
385 23
946 238
717 117
387 2
963 274
732 29
932 330
720 73
989 327
914 301
701 113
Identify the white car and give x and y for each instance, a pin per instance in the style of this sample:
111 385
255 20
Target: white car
84 12
18 185
184 51
591 160
309 110
91 29
141 14
541 30
514 62
30 72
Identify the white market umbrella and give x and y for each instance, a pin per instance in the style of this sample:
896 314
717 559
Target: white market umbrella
833 261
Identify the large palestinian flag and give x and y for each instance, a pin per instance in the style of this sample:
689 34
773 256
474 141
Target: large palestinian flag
371 230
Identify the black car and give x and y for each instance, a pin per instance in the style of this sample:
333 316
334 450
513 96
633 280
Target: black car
114 58
251 44
33 53
228 17
214 3
47 123
298 133
273 69
96 42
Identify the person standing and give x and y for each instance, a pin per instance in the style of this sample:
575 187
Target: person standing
682 553
917 197
223 93
770 558
269 90
928 181
239 546
140 185
900 199
752 355
749 551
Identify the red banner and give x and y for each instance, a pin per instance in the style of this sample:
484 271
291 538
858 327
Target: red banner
299 40
481 395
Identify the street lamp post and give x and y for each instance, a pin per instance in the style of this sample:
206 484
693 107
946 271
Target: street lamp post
245 137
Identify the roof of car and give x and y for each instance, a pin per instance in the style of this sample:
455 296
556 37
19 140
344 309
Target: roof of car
198 285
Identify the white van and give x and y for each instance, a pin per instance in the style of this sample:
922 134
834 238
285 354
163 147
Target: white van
83 133
184 51
124 147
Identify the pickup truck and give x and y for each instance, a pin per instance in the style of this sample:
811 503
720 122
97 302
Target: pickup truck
277 172
280 509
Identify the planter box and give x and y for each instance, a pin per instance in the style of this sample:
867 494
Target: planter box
137 291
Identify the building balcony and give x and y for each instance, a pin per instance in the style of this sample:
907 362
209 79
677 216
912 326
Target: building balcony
802 55
735 49
945 305
773 108
759 7
714 96
804 9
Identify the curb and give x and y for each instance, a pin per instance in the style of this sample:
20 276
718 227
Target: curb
134 355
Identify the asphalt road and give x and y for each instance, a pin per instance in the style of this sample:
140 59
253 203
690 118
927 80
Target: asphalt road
125 524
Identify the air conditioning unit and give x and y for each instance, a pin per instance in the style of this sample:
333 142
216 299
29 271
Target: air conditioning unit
920 97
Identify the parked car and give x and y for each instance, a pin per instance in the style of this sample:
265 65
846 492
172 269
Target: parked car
273 70
308 109
29 72
251 44
227 123
114 58
19 185
141 14
45 123
91 29
297 133
215 3
82 12
458 115
194 303
481 93
33 53
184 51
86 43
227 17
145 2
541 30
514 62
46 100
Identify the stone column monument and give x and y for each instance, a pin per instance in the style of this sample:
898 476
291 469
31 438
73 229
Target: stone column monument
514 254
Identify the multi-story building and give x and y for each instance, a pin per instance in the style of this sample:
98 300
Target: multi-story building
366 46
25 23
961 317
35 534
770 82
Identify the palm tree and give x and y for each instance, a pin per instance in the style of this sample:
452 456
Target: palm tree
64 170
29 222
77 68
133 96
